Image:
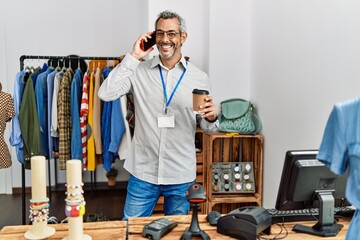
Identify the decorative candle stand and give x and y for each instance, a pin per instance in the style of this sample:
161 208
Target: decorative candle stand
39 203
74 201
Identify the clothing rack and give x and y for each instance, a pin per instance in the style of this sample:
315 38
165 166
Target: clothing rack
57 58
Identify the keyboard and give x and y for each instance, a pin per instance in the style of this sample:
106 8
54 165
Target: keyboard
311 214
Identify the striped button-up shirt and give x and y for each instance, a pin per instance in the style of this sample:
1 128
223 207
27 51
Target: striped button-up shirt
158 155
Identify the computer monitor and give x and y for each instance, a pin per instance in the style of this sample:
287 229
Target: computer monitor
308 183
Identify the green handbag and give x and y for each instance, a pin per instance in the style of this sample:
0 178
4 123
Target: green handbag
238 115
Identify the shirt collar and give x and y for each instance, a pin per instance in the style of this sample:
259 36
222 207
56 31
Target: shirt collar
156 61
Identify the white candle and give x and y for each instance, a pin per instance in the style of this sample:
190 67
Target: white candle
74 178
73 173
38 178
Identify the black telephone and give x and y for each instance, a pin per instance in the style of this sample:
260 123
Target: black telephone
150 42
245 223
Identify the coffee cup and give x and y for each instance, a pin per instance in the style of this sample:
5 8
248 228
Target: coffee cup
199 96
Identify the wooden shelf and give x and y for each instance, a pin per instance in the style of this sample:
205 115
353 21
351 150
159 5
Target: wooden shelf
222 147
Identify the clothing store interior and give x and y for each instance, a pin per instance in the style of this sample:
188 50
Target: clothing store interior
179 119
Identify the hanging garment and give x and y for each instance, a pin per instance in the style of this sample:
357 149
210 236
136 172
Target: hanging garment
75 104
7 112
50 88
54 105
339 150
54 129
37 72
106 130
29 124
90 135
41 97
15 137
120 138
84 111
107 156
97 114
115 130
64 119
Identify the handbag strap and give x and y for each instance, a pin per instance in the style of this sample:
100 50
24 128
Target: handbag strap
257 121
256 118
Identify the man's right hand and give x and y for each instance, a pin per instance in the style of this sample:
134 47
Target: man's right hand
137 52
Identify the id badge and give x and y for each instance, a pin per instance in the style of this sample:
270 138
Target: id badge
166 120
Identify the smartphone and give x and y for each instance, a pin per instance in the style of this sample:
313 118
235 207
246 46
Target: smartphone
150 42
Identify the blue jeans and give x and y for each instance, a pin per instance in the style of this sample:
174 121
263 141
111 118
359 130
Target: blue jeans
141 198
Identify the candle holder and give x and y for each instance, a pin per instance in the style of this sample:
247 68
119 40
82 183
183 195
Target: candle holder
39 203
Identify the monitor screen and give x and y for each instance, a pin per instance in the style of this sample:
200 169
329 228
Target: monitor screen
297 184
308 183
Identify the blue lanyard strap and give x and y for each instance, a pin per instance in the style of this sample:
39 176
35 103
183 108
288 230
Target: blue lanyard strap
164 88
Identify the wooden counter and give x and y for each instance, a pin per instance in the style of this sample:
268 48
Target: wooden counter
302 236
136 225
109 230
116 230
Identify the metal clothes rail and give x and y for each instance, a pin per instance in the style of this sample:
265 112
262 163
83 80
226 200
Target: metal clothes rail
53 58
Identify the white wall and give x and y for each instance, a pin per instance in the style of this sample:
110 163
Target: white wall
85 28
230 48
293 59
305 58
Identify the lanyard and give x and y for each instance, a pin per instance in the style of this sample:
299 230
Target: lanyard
164 88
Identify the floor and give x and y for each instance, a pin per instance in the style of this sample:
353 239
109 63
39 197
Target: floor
106 203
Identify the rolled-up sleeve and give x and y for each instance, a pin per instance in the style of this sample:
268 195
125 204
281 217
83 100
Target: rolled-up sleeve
118 82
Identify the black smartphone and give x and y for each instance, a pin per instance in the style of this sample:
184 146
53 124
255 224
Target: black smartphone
150 42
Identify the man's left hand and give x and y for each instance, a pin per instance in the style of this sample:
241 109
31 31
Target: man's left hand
208 110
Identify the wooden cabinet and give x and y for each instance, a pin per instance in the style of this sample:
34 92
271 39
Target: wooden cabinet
216 148
227 148
200 149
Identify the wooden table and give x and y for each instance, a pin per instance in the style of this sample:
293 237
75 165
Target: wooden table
108 230
302 236
116 230
136 225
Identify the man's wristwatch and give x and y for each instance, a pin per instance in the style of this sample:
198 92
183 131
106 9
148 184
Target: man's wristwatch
211 121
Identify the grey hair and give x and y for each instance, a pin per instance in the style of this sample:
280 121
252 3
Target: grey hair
169 15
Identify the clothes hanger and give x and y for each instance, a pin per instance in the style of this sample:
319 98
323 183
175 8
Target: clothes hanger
64 66
32 68
110 64
58 68
27 67
70 66
51 65
38 62
87 68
